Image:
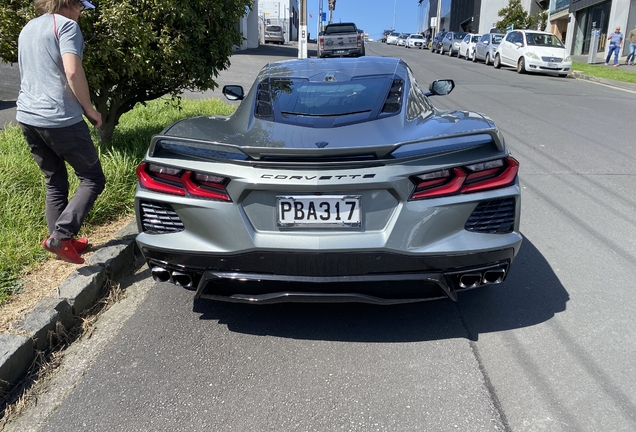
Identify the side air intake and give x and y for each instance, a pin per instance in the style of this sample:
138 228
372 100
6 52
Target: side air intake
393 102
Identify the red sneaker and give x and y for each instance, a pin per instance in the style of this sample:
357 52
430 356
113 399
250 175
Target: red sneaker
80 244
63 249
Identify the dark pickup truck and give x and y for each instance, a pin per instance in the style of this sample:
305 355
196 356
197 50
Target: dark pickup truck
340 40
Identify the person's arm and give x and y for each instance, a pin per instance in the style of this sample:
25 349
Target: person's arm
79 85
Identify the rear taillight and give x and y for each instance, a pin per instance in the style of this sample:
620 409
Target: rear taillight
359 41
176 181
322 43
467 179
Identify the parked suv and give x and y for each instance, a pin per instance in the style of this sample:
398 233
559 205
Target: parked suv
451 42
436 44
275 34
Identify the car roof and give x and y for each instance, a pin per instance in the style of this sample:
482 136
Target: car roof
319 68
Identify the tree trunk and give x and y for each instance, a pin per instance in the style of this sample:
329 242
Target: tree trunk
106 131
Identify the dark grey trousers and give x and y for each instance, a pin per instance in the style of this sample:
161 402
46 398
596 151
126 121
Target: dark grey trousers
50 148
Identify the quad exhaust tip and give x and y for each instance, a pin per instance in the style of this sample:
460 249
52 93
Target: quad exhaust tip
484 277
160 274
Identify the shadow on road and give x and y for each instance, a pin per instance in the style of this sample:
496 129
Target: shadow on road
531 295
271 50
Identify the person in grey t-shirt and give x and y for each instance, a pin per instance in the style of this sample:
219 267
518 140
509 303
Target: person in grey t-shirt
53 99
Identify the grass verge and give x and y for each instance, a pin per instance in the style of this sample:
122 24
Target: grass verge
623 73
22 187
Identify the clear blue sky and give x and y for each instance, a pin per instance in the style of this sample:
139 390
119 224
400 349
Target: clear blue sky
373 16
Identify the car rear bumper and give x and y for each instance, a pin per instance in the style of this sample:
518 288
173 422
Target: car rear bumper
381 278
354 52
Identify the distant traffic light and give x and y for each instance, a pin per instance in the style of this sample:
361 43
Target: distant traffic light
332 5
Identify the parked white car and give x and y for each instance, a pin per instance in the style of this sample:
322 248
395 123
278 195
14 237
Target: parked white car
533 51
415 40
467 46
392 38
402 39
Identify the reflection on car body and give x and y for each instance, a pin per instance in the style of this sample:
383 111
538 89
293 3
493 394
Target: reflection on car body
334 180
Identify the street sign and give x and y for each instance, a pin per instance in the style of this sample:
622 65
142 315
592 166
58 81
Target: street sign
324 17
510 27
433 21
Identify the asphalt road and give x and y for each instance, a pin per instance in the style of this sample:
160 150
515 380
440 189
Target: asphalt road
551 349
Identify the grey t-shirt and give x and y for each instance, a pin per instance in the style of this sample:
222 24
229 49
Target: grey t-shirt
45 98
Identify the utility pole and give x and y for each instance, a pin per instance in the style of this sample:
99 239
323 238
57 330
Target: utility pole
394 9
439 18
302 40
332 7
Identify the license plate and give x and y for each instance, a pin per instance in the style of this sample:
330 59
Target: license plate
553 65
336 211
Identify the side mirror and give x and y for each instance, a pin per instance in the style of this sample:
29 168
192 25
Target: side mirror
441 87
233 92
518 44
486 43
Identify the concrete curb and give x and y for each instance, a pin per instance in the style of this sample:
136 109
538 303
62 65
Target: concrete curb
608 82
78 293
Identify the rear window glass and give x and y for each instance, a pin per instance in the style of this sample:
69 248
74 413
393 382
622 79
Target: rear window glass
332 29
540 39
324 98
273 28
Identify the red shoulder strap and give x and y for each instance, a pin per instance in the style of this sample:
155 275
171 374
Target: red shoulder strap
55 27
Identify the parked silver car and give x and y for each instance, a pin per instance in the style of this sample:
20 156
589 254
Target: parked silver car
275 34
451 43
334 180
486 47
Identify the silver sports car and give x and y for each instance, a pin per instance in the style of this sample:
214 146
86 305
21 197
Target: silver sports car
334 180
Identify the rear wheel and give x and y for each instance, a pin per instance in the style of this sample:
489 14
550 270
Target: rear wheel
497 62
487 60
450 52
474 57
521 66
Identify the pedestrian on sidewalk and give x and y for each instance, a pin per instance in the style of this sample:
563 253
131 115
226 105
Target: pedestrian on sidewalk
53 98
631 38
616 45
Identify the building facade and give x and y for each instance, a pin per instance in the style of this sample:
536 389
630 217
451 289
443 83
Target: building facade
473 16
284 13
584 16
571 20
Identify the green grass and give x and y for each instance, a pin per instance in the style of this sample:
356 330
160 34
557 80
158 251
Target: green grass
623 73
22 189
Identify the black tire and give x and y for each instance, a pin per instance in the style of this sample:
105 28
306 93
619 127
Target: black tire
497 62
487 60
563 75
450 52
474 57
521 66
